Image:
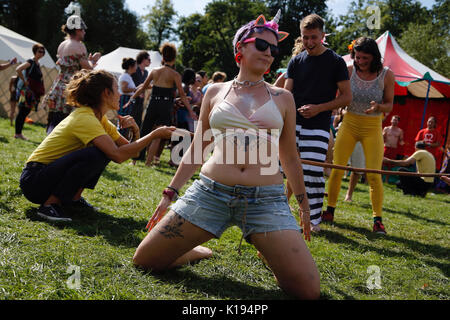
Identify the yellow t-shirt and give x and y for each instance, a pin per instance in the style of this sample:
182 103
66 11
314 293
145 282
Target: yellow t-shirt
425 163
73 133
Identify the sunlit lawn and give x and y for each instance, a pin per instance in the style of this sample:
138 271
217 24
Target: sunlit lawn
35 255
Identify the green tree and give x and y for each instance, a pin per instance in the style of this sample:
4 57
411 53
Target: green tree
109 23
196 48
348 27
441 18
207 39
160 22
395 16
292 12
118 27
429 42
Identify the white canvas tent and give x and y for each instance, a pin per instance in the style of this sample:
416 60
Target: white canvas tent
112 62
13 45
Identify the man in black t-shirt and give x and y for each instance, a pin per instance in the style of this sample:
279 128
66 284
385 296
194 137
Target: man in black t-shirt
314 76
143 61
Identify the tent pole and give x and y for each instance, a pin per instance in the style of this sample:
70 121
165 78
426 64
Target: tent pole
426 103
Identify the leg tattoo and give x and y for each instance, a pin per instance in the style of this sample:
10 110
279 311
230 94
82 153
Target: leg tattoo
173 228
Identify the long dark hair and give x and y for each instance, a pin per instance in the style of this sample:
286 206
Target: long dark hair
369 46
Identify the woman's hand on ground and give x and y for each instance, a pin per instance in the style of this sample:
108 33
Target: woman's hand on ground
159 213
305 224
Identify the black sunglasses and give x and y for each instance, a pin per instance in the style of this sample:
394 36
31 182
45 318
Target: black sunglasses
262 45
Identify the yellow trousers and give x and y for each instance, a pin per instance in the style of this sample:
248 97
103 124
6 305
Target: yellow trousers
367 130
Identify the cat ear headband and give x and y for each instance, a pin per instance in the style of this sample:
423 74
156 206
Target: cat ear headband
261 22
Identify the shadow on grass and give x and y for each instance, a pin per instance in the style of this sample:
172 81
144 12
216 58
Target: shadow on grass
217 285
4 208
326 296
408 214
113 176
4 139
117 231
36 143
167 171
421 248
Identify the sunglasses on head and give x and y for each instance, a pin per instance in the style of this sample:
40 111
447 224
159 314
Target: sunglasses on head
262 45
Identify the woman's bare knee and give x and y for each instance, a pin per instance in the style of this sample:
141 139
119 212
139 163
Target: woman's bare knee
173 242
301 289
147 263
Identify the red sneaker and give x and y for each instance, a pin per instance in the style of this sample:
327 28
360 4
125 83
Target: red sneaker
327 217
378 228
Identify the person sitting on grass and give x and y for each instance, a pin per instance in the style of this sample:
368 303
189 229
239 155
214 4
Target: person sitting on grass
73 156
424 160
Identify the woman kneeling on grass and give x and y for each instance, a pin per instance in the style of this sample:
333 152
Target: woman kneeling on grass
233 191
77 151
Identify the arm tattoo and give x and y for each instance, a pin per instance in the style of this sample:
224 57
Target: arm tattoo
277 93
173 228
300 197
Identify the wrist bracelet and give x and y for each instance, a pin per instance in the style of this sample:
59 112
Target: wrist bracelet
171 194
172 188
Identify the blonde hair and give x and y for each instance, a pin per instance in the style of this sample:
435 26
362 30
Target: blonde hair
298 47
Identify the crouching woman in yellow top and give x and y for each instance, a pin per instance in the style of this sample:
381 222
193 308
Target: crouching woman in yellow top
77 151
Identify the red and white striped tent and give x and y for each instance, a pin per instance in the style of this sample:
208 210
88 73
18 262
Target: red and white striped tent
420 91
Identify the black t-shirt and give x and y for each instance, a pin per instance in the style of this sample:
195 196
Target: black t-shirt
139 76
315 81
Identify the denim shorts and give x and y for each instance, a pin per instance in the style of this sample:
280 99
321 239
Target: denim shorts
214 207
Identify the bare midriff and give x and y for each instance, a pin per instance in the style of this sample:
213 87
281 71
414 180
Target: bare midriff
247 169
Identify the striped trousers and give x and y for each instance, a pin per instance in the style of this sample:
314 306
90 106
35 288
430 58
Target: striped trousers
313 145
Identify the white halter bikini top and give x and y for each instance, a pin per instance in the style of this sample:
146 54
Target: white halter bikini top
224 117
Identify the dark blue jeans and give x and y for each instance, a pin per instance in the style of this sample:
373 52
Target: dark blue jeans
63 177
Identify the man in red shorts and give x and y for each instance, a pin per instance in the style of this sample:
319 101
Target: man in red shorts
393 139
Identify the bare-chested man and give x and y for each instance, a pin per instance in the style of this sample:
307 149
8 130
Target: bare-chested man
393 138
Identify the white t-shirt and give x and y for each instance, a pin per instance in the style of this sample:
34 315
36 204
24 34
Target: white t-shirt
130 83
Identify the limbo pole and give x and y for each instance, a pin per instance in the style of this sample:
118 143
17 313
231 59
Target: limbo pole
361 170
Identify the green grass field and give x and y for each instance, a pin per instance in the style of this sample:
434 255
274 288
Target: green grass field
36 256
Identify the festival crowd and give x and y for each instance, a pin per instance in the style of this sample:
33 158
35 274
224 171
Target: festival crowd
319 110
